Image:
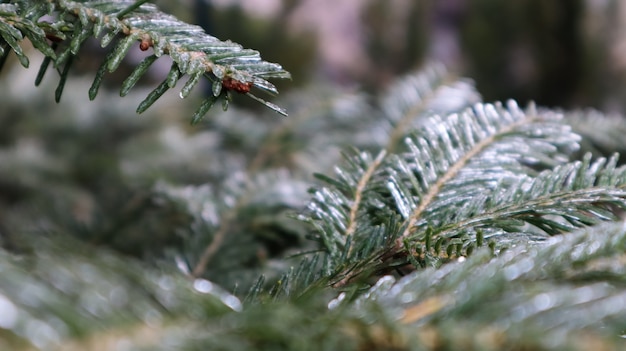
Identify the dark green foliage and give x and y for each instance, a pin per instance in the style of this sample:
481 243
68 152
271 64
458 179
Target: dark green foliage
446 224
48 301
567 294
570 285
468 183
499 170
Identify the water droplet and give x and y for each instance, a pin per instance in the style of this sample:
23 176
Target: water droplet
232 302
407 297
8 313
203 286
166 283
182 265
336 301
543 302
206 287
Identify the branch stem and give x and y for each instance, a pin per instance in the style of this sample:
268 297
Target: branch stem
358 193
455 168
210 250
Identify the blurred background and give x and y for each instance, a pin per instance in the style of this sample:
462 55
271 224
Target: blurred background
566 53
153 186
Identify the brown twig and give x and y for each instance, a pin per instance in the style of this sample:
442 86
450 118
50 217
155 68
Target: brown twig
358 193
210 250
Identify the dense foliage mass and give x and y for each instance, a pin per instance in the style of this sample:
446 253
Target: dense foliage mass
422 219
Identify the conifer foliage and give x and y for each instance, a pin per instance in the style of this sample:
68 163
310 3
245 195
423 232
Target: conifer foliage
227 66
446 223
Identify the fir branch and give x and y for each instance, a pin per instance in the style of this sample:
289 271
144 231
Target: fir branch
227 216
453 171
457 170
332 207
432 90
521 275
218 239
71 290
226 65
201 203
560 293
358 193
479 150
579 193
569 290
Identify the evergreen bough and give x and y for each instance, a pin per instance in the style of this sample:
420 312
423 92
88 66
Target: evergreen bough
448 223
226 65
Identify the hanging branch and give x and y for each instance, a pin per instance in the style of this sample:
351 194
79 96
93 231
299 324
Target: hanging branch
227 66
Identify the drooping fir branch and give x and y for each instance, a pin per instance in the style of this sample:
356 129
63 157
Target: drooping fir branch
225 65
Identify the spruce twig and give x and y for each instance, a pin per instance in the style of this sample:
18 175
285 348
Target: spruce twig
452 172
226 65
218 239
358 195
